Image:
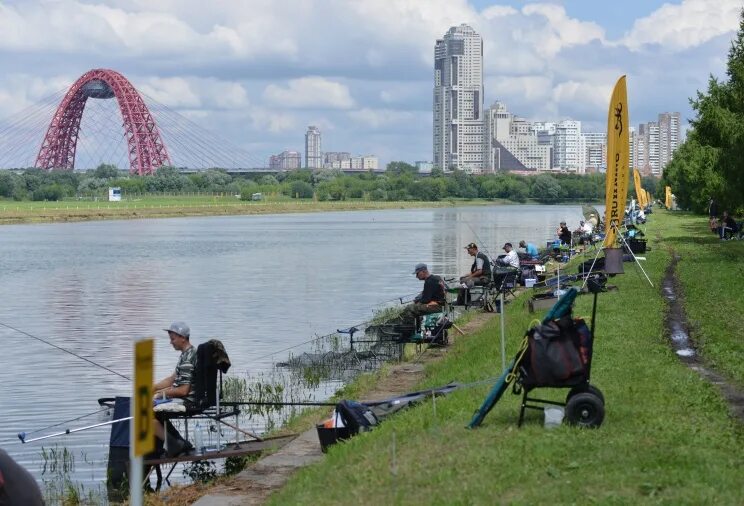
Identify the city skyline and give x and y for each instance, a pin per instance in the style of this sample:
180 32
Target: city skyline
259 72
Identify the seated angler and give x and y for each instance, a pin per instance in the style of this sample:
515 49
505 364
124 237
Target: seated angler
480 273
530 249
178 385
430 300
564 234
729 226
506 264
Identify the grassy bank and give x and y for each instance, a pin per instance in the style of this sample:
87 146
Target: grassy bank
711 272
667 436
175 206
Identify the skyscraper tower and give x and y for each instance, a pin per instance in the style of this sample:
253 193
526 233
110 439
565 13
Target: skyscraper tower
668 137
313 156
458 100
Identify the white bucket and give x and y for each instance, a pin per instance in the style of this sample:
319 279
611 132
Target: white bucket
529 282
553 416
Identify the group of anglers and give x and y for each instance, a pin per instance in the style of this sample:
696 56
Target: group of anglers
483 272
725 227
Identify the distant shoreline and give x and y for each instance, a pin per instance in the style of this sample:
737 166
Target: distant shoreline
156 207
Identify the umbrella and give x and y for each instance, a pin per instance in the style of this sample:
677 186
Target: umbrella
591 214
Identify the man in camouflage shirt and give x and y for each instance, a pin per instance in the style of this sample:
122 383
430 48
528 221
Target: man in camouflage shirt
178 385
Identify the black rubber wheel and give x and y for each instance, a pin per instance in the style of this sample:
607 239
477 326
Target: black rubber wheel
585 410
585 388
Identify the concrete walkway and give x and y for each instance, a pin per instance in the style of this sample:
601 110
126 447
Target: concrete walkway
254 485
269 473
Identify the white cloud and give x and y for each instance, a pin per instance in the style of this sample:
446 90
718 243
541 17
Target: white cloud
498 11
272 121
310 92
172 92
560 31
587 94
69 27
378 118
689 24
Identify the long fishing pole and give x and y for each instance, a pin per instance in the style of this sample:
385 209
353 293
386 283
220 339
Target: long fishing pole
22 435
65 350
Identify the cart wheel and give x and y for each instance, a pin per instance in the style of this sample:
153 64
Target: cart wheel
585 410
585 388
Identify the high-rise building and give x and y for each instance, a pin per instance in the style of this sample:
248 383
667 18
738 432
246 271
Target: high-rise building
511 144
568 147
668 137
596 150
313 158
655 142
458 100
652 144
286 160
333 159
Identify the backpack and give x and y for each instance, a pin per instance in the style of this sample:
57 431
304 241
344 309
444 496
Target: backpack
553 357
356 416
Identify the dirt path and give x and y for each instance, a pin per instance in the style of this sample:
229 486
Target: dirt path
683 343
254 485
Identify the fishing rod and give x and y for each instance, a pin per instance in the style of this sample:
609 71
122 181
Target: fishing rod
22 435
65 350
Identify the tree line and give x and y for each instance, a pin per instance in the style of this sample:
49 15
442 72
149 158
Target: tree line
399 183
710 163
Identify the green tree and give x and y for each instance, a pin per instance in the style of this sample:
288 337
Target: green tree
106 171
398 168
301 189
546 189
711 161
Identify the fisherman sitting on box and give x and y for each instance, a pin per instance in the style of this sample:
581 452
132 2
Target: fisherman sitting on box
480 273
430 300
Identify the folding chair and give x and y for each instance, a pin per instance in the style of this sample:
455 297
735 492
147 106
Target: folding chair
211 363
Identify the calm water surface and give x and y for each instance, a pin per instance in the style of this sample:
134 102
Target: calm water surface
261 284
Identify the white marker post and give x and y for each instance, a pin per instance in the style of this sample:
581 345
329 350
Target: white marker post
141 437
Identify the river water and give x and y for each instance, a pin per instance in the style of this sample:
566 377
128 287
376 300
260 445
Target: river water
261 284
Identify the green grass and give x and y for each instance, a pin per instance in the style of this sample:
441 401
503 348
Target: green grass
667 436
161 206
711 272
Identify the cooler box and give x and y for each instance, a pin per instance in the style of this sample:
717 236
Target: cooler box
637 245
331 435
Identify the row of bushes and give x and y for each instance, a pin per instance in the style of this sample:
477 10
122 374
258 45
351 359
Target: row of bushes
400 182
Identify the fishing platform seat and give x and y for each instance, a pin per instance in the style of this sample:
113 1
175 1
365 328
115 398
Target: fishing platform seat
212 362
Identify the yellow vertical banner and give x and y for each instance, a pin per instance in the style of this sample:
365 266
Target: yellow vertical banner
648 197
618 155
638 189
141 406
668 197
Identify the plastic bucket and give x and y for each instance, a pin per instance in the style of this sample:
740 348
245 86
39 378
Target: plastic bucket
553 416
529 282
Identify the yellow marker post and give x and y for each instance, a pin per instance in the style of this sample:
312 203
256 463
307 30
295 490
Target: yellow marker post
141 436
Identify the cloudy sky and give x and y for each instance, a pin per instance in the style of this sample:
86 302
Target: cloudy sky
259 71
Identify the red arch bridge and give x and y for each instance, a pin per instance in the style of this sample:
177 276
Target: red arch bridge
149 143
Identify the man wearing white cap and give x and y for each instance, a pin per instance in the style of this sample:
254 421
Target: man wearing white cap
178 385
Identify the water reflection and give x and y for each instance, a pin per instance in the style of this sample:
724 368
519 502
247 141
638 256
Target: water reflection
258 283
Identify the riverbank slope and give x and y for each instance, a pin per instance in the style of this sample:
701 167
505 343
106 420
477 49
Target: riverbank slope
180 206
668 435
